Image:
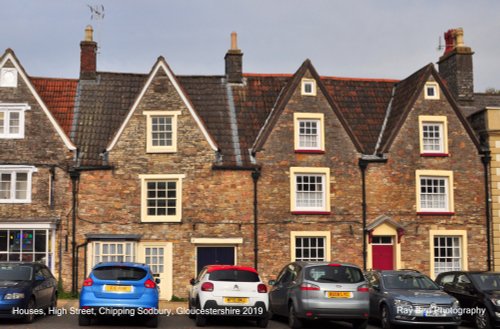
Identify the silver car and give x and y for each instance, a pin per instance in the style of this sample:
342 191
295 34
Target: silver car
320 290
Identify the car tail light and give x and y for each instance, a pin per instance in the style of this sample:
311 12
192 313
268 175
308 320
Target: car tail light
150 284
308 286
207 286
363 288
262 288
88 282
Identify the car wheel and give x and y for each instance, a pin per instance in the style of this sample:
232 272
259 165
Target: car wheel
152 322
192 310
385 318
361 324
200 319
482 319
293 321
30 316
263 322
83 320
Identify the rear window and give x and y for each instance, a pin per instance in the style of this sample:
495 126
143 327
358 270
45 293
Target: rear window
340 274
119 273
234 275
15 272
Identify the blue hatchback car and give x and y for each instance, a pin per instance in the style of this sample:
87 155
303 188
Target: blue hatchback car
119 289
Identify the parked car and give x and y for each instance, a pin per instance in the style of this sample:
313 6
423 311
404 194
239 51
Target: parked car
475 291
119 289
408 297
26 290
320 290
229 291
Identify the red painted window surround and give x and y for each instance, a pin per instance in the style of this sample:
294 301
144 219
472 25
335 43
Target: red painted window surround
426 213
310 151
442 155
311 212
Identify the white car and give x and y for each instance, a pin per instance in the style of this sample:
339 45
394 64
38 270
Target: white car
227 290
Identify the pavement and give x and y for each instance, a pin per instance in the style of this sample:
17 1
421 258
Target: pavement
164 304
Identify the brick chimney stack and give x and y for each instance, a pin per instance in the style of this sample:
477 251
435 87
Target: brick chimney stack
88 55
455 66
234 61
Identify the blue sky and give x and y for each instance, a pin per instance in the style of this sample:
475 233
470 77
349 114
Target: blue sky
371 39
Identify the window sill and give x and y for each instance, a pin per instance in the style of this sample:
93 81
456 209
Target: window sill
309 212
162 220
310 151
442 155
435 213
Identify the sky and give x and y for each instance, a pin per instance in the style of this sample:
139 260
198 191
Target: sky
388 39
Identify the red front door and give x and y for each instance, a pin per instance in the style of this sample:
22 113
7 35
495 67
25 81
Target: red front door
383 256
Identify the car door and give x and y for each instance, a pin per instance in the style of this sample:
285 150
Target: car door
279 293
41 288
375 293
462 289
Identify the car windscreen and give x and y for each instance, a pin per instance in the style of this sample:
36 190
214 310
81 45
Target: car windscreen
15 272
234 275
409 282
487 281
329 273
119 273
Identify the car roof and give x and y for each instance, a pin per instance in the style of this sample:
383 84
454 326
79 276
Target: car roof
118 264
213 268
313 263
23 263
407 272
468 272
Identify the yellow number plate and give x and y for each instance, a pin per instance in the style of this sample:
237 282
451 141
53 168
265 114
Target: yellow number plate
236 300
118 288
339 294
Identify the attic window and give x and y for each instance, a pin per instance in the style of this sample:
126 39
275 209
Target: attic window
431 90
308 87
8 77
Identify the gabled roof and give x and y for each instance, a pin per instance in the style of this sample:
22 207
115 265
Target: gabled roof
405 95
9 55
162 64
284 98
59 96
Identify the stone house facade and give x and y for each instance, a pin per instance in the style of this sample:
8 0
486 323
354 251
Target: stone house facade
260 170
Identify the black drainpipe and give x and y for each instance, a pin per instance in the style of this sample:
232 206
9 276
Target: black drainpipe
75 177
255 177
486 162
363 164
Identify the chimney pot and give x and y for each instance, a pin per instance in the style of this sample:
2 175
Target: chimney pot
234 41
89 32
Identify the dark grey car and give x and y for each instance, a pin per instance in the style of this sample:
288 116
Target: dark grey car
320 290
410 298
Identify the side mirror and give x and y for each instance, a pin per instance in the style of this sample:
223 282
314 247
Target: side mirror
157 280
272 282
376 287
192 282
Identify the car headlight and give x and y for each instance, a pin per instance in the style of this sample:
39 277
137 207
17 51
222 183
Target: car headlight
14 295
403 306
455 304
495 301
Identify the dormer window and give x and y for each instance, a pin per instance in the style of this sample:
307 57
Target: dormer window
12 120
161 131
8 77
431 90
309 133
308 87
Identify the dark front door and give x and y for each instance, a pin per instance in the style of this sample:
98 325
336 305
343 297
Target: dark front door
214 256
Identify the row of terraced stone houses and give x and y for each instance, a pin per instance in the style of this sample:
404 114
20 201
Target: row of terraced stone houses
252 169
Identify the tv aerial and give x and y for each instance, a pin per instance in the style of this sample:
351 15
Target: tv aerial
96 12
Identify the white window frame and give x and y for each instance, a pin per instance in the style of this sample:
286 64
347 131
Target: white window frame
461 234
442 122
307 171
445 175
303 117
13 171
144 197
7 109
308 82
150 148
326 235
97 255
435 87
5 80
